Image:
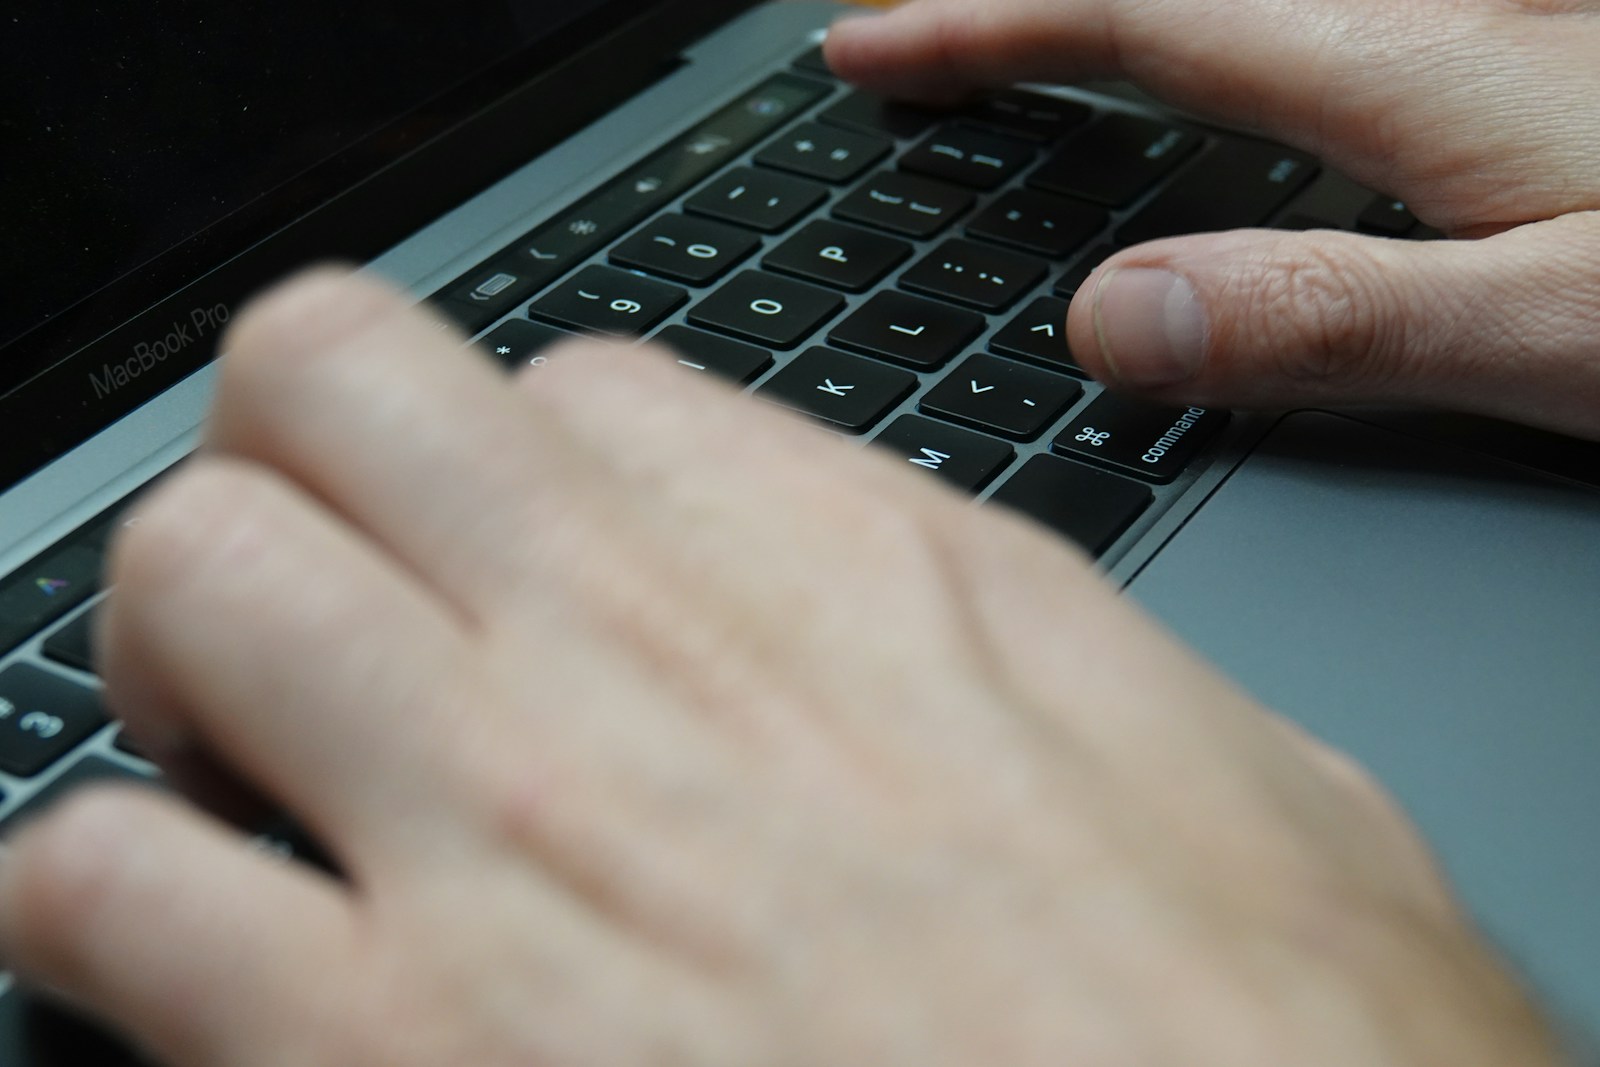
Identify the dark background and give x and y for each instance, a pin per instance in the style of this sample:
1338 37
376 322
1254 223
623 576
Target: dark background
126 129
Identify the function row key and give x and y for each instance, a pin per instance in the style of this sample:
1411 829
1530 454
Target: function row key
543 254
46 590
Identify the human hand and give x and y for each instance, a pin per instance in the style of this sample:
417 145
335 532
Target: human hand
650 728
1479 114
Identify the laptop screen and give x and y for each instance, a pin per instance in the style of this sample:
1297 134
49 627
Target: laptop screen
130 130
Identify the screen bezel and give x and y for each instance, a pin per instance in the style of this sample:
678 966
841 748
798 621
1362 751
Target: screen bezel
351 207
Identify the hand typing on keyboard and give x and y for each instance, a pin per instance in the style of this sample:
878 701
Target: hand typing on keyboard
649 727
1477 114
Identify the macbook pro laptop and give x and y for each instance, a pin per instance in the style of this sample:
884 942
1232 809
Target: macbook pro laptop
1422 590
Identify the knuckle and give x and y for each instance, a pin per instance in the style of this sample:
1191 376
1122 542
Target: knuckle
1330 317
279 340
182 524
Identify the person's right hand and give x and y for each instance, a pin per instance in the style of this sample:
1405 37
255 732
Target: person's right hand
1482 115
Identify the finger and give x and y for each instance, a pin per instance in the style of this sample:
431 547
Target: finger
356 396
1442 106
248 623
749 546
205 951
1503 326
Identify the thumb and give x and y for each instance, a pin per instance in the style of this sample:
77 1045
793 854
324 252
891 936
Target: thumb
1507 326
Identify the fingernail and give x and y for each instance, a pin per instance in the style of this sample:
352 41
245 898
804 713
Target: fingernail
1151 326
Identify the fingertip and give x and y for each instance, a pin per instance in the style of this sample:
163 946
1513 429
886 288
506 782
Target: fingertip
1148 328
891 53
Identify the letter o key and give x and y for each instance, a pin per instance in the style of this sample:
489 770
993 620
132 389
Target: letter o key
766 307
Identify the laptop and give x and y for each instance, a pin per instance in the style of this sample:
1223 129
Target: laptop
1422 590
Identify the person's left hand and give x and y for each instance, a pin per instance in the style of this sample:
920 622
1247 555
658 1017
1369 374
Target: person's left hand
651 728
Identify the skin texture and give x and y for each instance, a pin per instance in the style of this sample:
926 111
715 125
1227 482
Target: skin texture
1471 111
651 727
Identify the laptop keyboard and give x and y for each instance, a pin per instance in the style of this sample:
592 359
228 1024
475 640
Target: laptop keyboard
898 275
903 276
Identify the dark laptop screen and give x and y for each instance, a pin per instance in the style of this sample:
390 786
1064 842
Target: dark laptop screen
126 129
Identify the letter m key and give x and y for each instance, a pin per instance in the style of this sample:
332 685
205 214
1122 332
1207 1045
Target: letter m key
931 459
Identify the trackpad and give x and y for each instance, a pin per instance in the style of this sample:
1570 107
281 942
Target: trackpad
1437 615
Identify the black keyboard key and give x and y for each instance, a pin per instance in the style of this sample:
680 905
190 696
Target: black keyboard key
826 153
760 199
1002 397
832 253
606 300
1237 183
1302 222
1039 223
1083 505
686 160
845 391
966 156
905 204
561 243
962 459
1038 335
766 309
907 329
873 114
1116 159
1072 280
72 645
693 251
1033 116
812 61
87 771
699 351
42 717
965 272
1386 217
1154 443
494 290
520 342
46 590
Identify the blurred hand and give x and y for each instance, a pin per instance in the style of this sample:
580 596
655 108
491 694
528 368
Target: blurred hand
652 728
1479 114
